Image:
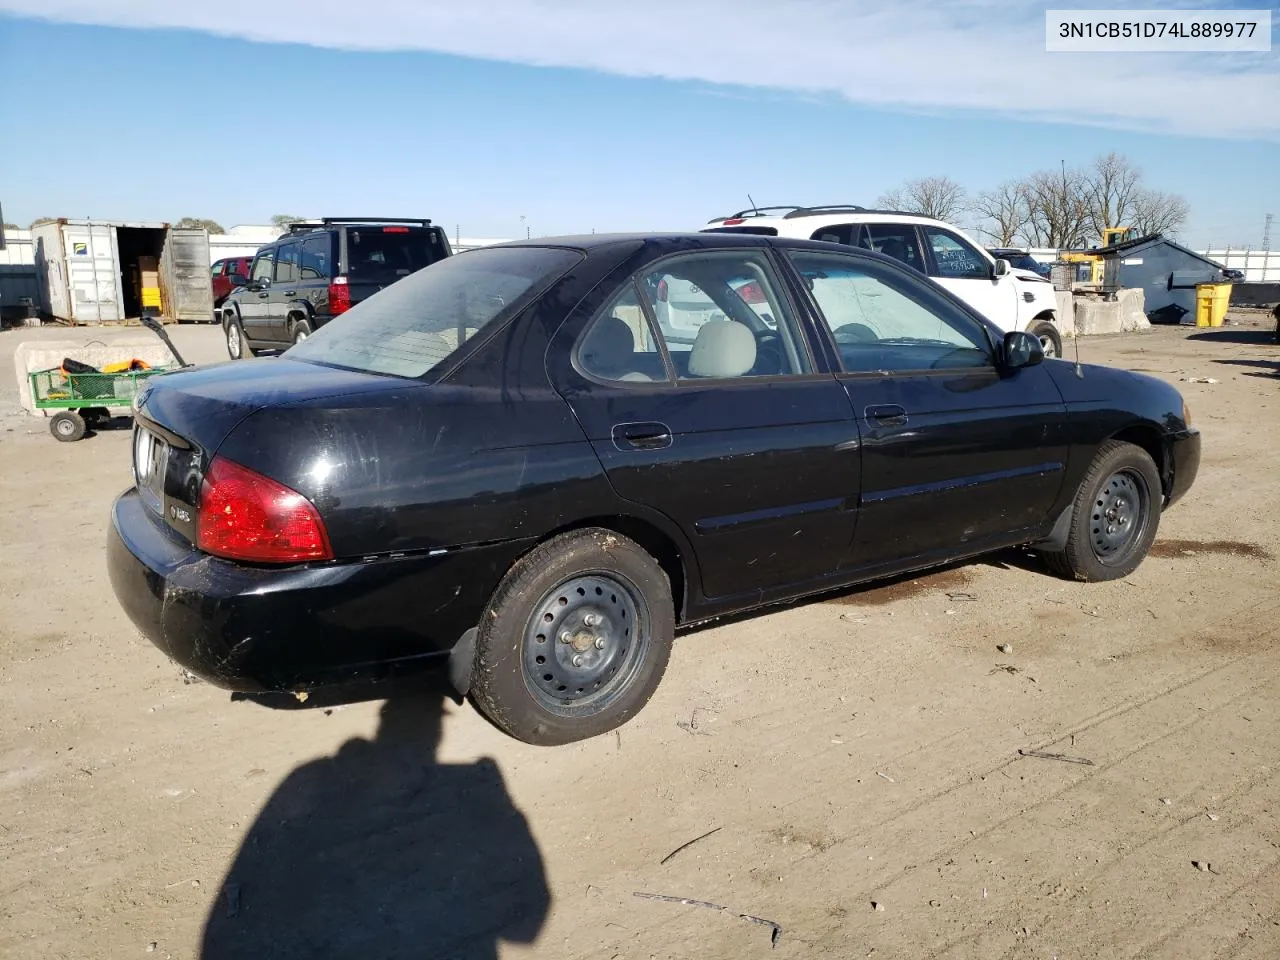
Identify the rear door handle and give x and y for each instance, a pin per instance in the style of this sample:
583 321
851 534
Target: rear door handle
889 414
642 436
263 295
291 293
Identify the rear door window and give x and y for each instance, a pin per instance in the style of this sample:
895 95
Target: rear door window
897 240
287 263
313 263
719 315
385 254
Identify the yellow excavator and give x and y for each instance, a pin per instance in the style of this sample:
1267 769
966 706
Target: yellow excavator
1110 236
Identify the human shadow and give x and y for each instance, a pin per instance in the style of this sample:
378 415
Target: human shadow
382 851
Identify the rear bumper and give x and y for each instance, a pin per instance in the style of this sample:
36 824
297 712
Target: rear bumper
257 628
1184 463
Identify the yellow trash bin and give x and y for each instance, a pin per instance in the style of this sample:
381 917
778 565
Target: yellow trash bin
1212 300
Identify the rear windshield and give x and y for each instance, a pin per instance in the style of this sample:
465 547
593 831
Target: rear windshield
412 326
388 253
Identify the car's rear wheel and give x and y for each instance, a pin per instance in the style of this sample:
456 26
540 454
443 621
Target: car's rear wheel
1114 518
301 330
1050 339
575 639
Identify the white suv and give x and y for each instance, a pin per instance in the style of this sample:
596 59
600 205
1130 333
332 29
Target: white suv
1012 299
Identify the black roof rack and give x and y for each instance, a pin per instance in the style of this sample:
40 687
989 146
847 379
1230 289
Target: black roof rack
754 212
829 208
301 226
792 211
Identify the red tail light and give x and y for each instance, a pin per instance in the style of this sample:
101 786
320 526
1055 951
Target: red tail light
750 292
734 221
395 229
246 516
662 290
339 296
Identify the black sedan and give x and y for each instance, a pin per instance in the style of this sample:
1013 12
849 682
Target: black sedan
538 460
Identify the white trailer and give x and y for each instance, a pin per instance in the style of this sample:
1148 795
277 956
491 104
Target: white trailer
100 271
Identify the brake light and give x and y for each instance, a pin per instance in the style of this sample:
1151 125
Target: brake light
734 221
750 292
339 296
395 229
246 516
662 291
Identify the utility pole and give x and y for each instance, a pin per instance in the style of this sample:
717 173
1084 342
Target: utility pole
1266 231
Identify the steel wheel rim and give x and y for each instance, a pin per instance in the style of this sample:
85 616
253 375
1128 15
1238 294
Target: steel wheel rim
65 426
1047 346
1119 516
584 643
300 336
233 340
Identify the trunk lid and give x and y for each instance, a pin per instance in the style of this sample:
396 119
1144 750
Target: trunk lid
182 418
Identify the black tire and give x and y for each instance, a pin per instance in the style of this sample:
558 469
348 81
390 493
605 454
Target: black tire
93 415
1050 338
301 330
237 343
67 426
1114 518
545 671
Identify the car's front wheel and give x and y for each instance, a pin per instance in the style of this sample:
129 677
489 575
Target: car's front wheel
237 346
575 639
1114 518
1050 339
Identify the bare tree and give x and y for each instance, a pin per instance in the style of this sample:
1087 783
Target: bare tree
282 220
1158 212
1111 188
1058 212
1006 211
938 197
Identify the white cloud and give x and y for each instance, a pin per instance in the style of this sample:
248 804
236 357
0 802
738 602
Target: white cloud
920 56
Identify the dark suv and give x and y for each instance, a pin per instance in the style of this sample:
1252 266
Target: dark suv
320 269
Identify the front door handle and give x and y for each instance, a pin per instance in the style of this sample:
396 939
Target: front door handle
642 436
291 293
888 414
263 295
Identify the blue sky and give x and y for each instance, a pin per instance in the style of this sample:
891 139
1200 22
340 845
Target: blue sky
588 115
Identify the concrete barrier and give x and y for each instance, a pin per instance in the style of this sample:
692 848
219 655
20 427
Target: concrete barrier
36 355
1125 314
1066 312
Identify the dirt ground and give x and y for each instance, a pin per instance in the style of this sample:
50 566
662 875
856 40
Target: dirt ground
850 752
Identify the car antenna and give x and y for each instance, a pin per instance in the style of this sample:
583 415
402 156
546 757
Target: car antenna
754 208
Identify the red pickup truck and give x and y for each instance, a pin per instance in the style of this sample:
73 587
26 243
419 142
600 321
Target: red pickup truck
223 271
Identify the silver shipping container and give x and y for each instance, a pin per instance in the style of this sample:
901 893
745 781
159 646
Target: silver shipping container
106 271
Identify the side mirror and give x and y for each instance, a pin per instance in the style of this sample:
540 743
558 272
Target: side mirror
238 280
259 284
1001 268
1021 349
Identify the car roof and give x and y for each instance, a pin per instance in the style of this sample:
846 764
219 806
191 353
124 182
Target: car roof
687 239
621 245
